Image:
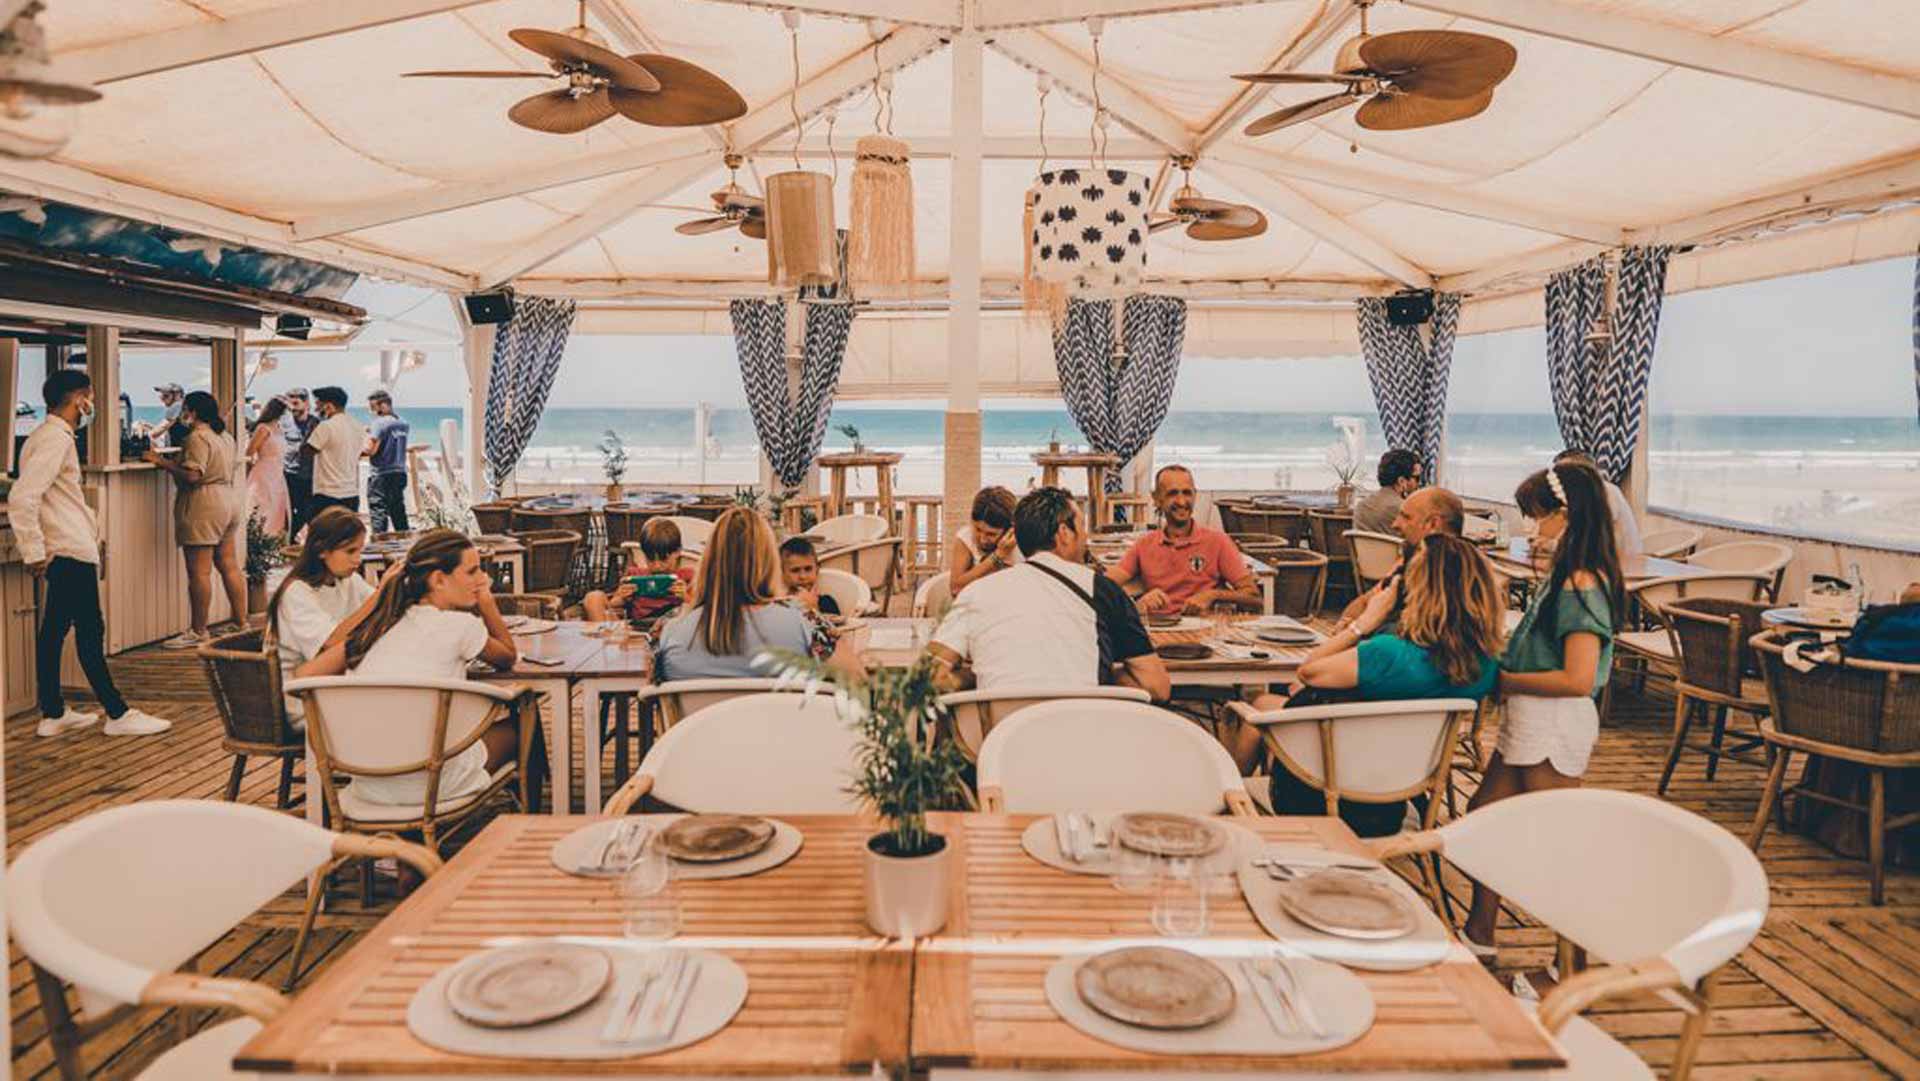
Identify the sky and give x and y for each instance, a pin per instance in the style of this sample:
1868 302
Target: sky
1832 343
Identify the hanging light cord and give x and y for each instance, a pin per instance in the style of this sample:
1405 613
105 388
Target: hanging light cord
793 98
1096 134
882 95
833 117
1046 87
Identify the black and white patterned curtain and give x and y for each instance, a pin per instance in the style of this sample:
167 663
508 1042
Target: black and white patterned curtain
526 355
1916 332
790 431
1119 404
1408 370
1600 386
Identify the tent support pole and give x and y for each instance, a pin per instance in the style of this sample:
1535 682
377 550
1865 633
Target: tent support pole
962 442
476 351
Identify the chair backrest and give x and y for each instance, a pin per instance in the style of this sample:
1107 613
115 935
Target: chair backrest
245 679
1381 751
1626 876
572 520
1675 543
549 557
109 900
851 594
1329 531
757 754
495 518
1260 546
1083 754
1657 593
1232 516
851 528
531 605
1299 581
1374 554
379 726
1865 705
1289 523
873 562
681 698
934 597
1768 558
975 713
1710 639
694 532
624 522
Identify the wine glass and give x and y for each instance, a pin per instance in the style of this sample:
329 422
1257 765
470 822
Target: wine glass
649 905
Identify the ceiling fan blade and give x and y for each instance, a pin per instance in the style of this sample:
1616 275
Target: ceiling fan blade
567 49
1440 63
1194 204
476 75
689 95
755 227
1239 227
1159 223
1294 114
1399 112
676 206
703 226
1299 77
558 112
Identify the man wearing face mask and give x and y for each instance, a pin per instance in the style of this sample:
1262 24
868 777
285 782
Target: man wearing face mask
59 541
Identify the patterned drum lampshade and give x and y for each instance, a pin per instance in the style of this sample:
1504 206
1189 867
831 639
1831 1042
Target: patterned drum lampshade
1090 230
802 244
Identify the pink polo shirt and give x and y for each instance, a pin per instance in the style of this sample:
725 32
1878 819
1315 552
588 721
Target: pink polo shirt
1203 559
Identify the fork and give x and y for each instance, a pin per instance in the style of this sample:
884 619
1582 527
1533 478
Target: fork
1281 976
626 1009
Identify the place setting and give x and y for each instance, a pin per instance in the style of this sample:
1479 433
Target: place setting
1127 846
1339 908
522 626
1280 630
697 846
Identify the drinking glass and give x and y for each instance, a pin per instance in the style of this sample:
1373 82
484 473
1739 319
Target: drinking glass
1180 899
1133 870
649 906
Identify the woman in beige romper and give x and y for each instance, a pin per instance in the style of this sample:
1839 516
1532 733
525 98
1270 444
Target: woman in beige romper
206 515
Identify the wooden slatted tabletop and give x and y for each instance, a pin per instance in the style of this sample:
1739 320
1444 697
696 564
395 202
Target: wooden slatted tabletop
979 1003
834 1005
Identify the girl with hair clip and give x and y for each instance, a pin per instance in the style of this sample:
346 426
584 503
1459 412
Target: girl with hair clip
323 595
1558 657
432 617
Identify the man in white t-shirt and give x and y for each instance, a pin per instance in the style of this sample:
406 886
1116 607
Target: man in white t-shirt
1626 531
335 448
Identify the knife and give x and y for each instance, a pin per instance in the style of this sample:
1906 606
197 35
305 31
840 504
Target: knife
1287 984
655 1019
1263 994
634 982
1063 833
681 994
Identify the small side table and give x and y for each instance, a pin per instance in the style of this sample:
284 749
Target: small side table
882 462
1094 463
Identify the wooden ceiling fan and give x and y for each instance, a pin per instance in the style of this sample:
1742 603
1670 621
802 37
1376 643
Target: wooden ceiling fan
1402 80
648 88
736 208
1206 219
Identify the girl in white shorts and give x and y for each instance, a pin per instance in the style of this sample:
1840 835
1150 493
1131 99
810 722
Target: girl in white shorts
1557 658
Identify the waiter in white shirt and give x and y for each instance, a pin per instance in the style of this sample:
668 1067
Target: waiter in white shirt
59 542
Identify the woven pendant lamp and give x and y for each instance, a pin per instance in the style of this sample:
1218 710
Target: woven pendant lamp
880 255
1090 230
800 233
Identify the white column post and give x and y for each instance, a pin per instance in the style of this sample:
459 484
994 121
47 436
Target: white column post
962 445
476 352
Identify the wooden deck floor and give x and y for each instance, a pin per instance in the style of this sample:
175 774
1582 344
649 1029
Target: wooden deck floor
1830 990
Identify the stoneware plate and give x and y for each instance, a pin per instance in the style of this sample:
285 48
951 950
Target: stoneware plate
524 985
1178 623
716 838
1185 651
1155 987
533 626
1167 834
1288 636
1349 904
514 623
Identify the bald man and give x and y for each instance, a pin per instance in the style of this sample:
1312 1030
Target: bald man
1426 512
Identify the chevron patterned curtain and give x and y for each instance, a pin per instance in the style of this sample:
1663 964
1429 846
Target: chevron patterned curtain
1409 373
1916 329
1119 405
1599 388
526 355
790 431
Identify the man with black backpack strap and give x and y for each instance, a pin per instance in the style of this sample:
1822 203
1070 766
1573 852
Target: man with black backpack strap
1051 620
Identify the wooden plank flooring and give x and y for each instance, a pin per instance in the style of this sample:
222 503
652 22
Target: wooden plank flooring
1830 990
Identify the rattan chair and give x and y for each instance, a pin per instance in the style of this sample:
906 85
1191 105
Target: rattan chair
707 509
1715 667
1651 652
1261 546
624 522
244 674
1375 555
1327 531
1675 543
549 559
1299 582
1233 518
531 605
877 563
1863 712
1768 558
1287 523
495 518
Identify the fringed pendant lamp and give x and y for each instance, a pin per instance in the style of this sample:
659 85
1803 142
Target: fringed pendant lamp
802 244
880 249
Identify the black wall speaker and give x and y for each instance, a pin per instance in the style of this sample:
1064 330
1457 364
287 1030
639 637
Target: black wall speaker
485 308
293 326
1409 309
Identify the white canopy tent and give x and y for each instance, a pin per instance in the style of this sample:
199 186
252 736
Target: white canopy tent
1773 138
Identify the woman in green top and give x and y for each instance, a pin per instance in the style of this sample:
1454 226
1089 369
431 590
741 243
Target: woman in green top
1558 657
1451 613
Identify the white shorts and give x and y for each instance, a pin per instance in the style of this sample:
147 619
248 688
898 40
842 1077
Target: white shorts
1557 730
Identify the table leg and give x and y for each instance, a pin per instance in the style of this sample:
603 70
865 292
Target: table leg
1096 497
883 488
590 755
1266 593
559 739
1049 476
836 490
316 800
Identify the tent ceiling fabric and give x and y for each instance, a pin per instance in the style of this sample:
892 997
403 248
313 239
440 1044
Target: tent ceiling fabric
1599 138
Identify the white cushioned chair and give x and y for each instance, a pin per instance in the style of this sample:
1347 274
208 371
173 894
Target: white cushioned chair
875 562
975 713
1675 543
1660 897
681 698
850 529
775 753
1374 556
853 596
1651 652
115 902
694 532
934 597
1766 558
1099 755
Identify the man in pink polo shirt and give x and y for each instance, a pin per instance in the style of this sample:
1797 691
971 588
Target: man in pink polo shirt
1183 565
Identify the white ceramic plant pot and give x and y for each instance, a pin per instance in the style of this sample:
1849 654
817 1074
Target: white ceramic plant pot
907 895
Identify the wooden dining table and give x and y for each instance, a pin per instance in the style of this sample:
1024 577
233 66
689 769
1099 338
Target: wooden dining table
828 997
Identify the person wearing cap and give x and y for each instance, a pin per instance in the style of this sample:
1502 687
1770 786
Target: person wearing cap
298 423
386 454
171 396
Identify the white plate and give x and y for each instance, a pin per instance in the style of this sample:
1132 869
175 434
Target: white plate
1428 944
582 847
1187 623
517 986
533 626
515 621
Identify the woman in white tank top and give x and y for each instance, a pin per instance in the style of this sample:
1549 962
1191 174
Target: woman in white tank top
986 543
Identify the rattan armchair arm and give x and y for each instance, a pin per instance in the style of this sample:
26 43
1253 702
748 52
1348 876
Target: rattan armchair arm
1239 804
1577 992
256 1000
628 794
1405 844
382 846
993 801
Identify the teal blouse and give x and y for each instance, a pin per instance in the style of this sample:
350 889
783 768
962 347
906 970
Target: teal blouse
1535 646
1393 668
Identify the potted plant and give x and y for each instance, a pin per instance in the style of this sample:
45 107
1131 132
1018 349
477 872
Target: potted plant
1053 441
905 769
265 551
852 433
1346 456
613 462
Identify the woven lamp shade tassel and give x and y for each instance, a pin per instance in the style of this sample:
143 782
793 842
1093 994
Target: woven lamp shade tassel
802 244
1037 298
880 251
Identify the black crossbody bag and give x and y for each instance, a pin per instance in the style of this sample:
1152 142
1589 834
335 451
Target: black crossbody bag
1100 637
